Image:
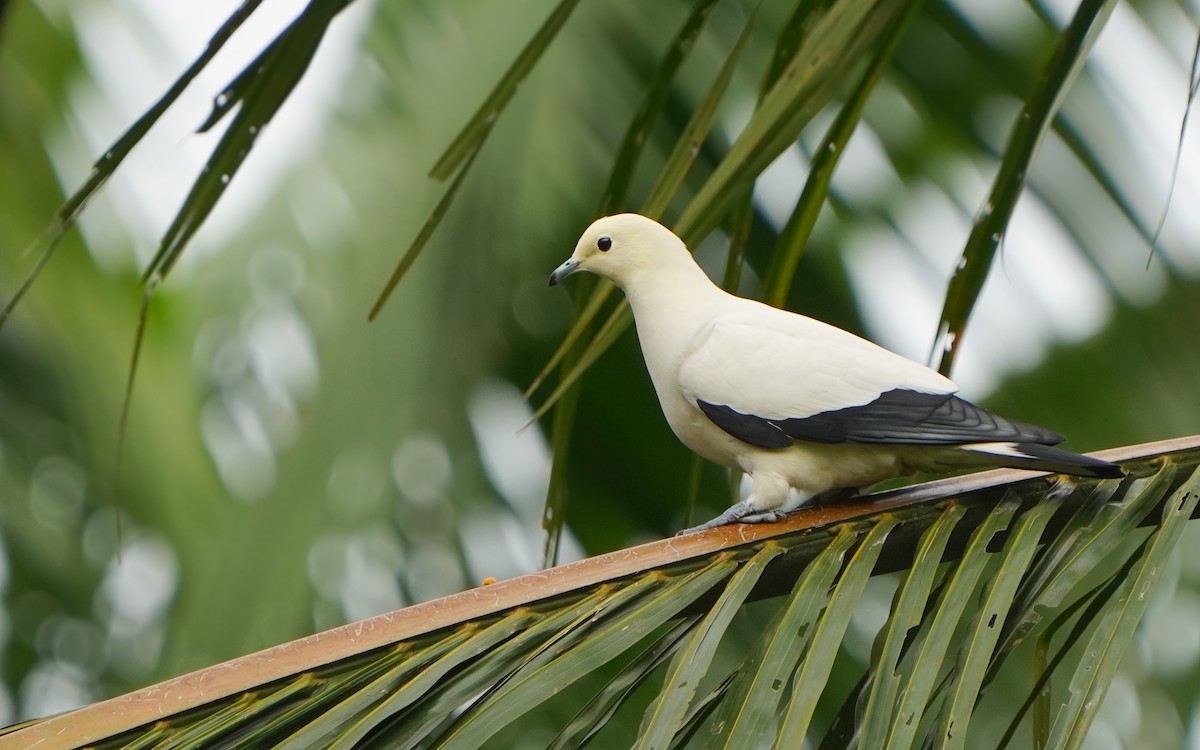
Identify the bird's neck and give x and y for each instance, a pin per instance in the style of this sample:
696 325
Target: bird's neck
669 307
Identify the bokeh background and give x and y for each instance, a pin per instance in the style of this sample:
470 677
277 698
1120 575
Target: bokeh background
289 467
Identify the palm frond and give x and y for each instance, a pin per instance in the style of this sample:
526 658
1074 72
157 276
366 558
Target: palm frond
991 558
108 163
1027 133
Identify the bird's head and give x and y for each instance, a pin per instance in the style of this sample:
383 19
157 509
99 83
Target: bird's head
619 247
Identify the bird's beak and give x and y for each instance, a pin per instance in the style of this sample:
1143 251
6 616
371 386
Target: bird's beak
563 271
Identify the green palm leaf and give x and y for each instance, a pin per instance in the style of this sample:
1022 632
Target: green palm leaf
1027 134
108 163
453 673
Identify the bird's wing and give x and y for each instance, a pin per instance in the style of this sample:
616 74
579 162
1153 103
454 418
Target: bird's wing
768 377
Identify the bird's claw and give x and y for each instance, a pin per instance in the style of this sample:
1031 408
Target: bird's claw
767 516
740 513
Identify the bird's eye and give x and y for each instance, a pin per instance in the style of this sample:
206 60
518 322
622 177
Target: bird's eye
604 243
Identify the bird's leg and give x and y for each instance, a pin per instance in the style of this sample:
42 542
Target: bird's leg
740 512
767 494
766 516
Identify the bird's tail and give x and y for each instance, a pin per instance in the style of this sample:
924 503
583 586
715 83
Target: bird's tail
1047 458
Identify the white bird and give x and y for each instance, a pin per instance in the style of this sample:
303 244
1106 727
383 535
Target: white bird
793 402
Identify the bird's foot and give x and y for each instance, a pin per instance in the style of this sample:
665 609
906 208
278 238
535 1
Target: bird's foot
767 516
740 513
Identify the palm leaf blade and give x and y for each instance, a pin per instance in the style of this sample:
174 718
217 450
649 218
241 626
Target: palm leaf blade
835 43
260 90
500 664
691 662
592 717
592 612
910 605
364 710
697 129
814 673
977 650
1026 136
1072 557
471 137
781 646
931 653
638 133
1117 623
108 163
609 640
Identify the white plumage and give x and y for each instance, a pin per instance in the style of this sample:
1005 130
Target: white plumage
793 402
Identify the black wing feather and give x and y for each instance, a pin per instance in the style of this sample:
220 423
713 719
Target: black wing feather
898 417
746 427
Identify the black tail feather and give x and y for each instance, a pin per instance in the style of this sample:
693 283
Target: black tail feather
1049 458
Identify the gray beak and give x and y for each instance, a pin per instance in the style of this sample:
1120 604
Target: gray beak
563 271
